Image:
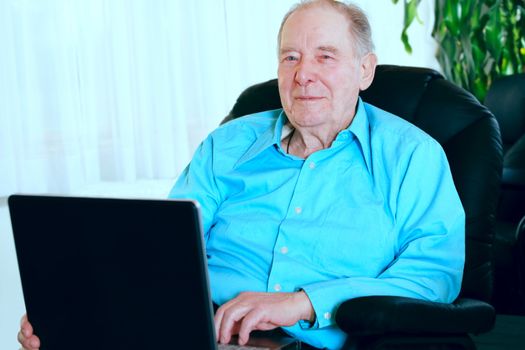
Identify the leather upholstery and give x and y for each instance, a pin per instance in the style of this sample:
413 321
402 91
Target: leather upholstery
506 99
374 315
470 137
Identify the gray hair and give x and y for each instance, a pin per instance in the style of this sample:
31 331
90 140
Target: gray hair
359 27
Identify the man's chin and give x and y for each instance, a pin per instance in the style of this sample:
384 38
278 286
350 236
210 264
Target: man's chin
309 120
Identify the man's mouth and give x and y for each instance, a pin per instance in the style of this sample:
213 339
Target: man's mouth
307 98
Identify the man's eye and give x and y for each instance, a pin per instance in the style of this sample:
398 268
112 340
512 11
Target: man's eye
326 57
290 58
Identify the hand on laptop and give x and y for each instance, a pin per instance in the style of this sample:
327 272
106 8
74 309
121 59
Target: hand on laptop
260 311
26 338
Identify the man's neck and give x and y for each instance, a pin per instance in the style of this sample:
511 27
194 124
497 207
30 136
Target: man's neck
302 142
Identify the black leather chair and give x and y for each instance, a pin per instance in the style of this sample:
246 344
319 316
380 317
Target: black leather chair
506 99
470 137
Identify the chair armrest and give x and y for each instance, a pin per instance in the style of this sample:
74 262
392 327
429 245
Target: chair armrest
374 315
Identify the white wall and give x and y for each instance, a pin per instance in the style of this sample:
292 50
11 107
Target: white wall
11 302
254 56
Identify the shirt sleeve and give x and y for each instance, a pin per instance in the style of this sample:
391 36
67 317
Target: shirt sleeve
429 238
197 182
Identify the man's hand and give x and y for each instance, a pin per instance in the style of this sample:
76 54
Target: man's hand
260 311
26 338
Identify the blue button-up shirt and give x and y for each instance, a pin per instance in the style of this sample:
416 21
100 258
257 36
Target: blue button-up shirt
377 213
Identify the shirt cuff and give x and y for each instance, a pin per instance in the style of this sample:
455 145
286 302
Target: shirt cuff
324 310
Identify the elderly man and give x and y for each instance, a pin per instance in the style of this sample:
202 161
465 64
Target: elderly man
326 200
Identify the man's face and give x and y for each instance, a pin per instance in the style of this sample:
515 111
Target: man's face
319 73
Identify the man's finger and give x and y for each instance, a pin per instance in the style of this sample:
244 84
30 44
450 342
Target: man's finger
32 343
20 337
229 320
217 320
28 343
26 327
219 314
248 324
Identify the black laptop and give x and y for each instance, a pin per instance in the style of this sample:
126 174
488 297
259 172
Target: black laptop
100 273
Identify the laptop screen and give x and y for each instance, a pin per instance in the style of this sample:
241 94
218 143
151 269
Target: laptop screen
113 273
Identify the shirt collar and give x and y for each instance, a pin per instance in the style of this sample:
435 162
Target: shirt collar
359 127
272 136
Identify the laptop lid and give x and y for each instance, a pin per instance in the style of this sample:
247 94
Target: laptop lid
113 273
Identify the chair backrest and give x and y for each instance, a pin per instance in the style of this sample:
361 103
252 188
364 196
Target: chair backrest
466 129
506 99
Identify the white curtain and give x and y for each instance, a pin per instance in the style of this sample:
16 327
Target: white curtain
124 90
119 90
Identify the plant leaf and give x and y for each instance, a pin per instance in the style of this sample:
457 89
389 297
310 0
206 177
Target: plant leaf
410 12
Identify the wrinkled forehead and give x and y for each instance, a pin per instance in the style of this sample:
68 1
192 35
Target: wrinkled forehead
319 26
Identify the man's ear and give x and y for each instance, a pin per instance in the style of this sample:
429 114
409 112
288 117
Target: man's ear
368 69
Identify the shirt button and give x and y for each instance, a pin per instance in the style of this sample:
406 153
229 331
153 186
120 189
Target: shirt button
298 210
327 315
284 250
311 165
277 287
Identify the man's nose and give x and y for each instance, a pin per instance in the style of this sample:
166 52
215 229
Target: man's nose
305 72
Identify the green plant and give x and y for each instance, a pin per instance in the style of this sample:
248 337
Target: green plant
478 40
